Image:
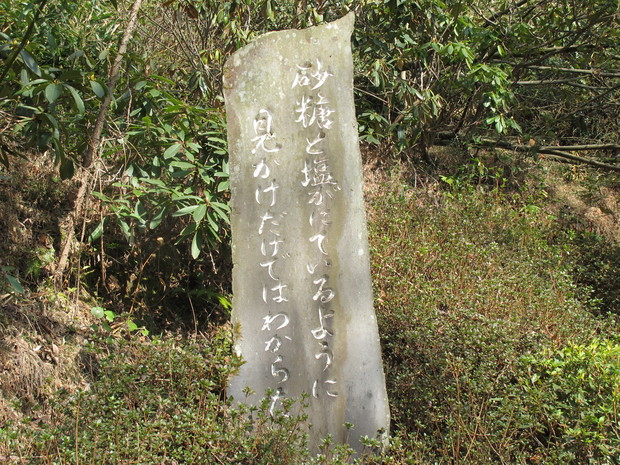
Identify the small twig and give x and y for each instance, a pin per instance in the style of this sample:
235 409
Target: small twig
77 418
371 94
545 82
191 305
595 72
135 293
101 241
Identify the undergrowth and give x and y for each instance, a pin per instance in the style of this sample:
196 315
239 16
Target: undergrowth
159 401
495 347
476 290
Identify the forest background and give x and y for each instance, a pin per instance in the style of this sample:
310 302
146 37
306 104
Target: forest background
491 140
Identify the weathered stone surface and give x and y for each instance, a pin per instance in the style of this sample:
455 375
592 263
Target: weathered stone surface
301 281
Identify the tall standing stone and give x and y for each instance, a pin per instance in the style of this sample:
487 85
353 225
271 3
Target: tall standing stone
301 280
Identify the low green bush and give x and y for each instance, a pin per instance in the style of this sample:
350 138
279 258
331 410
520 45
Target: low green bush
596 269
159 402
565 404
491 352
467 284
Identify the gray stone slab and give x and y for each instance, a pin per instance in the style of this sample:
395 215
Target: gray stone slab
302 294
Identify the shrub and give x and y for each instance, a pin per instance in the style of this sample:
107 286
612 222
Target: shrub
565 403
159 402
596 268
466 284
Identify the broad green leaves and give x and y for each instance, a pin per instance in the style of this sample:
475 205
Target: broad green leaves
56 81
97 88
13 282
30 62
183 182
52 92
79 103
172 150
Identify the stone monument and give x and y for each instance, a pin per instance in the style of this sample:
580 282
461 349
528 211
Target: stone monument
302 296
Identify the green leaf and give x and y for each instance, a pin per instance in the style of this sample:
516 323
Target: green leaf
268 11
98 89
76 54
172 150
125 228
52 92
185 210
157 219
131 325
156 77
15 284
30 62
213 224
196 244
98 311
66 166
109 315
97 232
224 302
79 103
53 121
220 209
187 231
140 211
36 82
182 164
199 213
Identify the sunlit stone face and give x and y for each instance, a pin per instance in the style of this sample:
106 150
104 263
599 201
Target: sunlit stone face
302 298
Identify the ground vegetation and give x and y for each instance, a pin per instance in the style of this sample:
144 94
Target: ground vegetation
491 146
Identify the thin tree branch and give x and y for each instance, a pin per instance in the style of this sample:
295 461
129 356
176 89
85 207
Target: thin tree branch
114 75
545 82
446 138
595 72
584 160
94 142
582 147
547 55
583 86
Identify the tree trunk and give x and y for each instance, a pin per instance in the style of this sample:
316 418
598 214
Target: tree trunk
92 151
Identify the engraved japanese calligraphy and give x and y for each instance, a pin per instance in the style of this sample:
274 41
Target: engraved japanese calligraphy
302 296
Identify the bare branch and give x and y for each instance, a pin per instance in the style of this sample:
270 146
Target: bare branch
582 147
584 160
594 72
545 82
94 142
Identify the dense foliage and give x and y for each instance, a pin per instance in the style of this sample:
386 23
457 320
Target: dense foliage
545 71
530 77
497 307
488 349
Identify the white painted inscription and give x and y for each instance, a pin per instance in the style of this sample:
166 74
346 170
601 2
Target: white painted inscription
301 279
